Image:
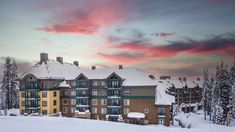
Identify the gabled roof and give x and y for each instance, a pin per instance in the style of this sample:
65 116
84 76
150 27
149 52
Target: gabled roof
53 70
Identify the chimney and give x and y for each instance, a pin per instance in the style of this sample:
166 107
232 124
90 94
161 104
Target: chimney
76 63
165 77
43 57
93 67
120 67
152 77
198 79
184 79
180 78
60 59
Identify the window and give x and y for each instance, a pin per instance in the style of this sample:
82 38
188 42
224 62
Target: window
73 101
54 102
72 110
103 83
103 101
161 111
126 102
73 83
44 103
23 103
65 93
54 110
94 110
65 101
65 109
125 111
73 93
126 92
23 94
103 110
44 112
94 101
94 93
146 110
44 94
54 93
161 121
94 83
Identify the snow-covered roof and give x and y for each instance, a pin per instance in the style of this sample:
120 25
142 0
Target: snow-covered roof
180 84
161 97
137 115
53 69
63 84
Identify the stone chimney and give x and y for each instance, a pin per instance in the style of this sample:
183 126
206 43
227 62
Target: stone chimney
198 78
120 67
180 78
60 59
93 67
76 63
43 57
152 77
184 79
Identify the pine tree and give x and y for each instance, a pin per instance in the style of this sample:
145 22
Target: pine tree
221 94
10 84
210 86
232 75
204 94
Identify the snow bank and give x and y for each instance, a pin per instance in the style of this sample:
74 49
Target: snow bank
62 124
136 115
64 85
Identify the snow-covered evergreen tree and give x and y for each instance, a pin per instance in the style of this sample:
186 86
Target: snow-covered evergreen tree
10 84
232 74
204 93
221 94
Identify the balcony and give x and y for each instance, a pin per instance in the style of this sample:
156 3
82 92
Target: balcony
83 105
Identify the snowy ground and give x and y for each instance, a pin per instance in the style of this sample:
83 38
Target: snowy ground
63 124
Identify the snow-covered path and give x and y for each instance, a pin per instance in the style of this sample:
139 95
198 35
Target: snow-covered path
62 124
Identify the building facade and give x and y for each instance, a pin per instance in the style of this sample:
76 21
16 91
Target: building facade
106 94
188 93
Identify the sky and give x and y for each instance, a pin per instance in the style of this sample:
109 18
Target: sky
161 37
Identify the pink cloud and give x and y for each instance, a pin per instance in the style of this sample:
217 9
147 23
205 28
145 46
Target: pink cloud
87 21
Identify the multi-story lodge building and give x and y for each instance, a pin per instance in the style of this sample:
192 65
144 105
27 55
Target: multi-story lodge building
111 94
187 92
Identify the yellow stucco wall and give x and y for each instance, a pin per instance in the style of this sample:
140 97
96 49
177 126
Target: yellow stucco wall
50 98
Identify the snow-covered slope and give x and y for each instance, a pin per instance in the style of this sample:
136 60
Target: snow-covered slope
62 124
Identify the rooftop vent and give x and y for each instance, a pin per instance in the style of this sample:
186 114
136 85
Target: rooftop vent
76 63
93 67
165 77
60 59
152 77
120 67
